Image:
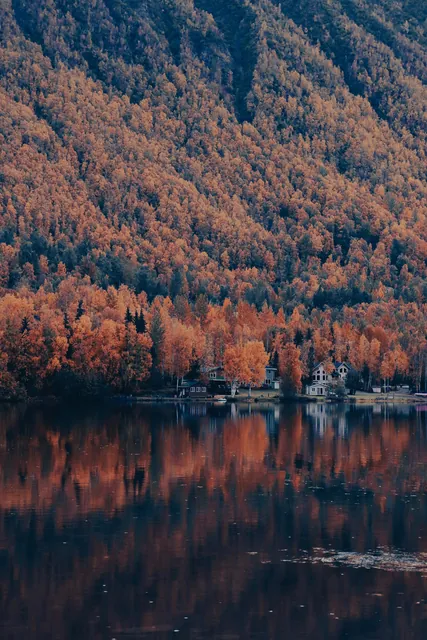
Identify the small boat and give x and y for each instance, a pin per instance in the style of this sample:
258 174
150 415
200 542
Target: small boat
220 400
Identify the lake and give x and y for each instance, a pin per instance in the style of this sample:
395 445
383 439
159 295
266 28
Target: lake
202 521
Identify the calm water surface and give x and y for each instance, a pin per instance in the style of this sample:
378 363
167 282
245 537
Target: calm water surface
213 522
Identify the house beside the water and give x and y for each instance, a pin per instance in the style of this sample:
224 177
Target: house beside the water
217 375
194 389
322 380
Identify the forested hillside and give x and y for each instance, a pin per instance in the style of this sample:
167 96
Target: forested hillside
208 150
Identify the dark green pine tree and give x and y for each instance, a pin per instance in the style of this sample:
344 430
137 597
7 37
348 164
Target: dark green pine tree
67 325
311 361
140 324
25 325
128 317
177 283
157 333
299 338
69 330
80 310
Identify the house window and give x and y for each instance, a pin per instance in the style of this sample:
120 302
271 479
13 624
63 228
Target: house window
212 375
197 389
318 376
320 391
204 389
324 376
192 390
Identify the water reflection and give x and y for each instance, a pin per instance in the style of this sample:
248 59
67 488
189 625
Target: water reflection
213 522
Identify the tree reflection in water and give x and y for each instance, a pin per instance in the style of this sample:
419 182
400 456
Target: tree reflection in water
215 521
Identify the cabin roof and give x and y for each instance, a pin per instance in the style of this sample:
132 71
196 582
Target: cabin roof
317 365
336 365
318 383
191 383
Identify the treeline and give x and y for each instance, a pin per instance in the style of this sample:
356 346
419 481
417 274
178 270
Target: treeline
87 340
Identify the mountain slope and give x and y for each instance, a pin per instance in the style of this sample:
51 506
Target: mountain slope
240 148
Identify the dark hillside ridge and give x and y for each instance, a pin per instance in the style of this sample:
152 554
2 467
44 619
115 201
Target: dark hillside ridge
237 23
252 149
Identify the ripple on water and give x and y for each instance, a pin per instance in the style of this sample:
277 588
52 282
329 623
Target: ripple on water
381 559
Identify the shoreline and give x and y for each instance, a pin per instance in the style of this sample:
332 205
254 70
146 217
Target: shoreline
219 400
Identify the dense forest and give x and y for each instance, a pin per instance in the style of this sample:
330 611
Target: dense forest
248 167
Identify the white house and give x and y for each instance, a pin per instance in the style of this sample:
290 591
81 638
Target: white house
342 369
321 380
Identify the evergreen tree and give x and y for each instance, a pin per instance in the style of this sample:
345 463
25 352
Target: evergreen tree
299 338
157 333
67 325
69 330
201 307
177 284
140 324
135 362
310 362
80 310
25 325
128 317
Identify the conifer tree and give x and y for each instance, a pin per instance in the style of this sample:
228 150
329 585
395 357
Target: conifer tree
128 317
140 324
80 310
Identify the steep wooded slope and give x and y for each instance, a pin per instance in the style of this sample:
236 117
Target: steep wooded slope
275 151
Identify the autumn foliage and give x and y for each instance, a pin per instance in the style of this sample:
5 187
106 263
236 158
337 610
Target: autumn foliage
245 364
291 369
82 338
213 155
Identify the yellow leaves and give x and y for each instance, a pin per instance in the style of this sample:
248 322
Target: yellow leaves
245 363
101 346
290 368
374 356
13 309
256 359
334 274
322 345
119 174
380 292
61 271
180 80
269 261
179 348
233 363
297 322
225 259
43 265
28 271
